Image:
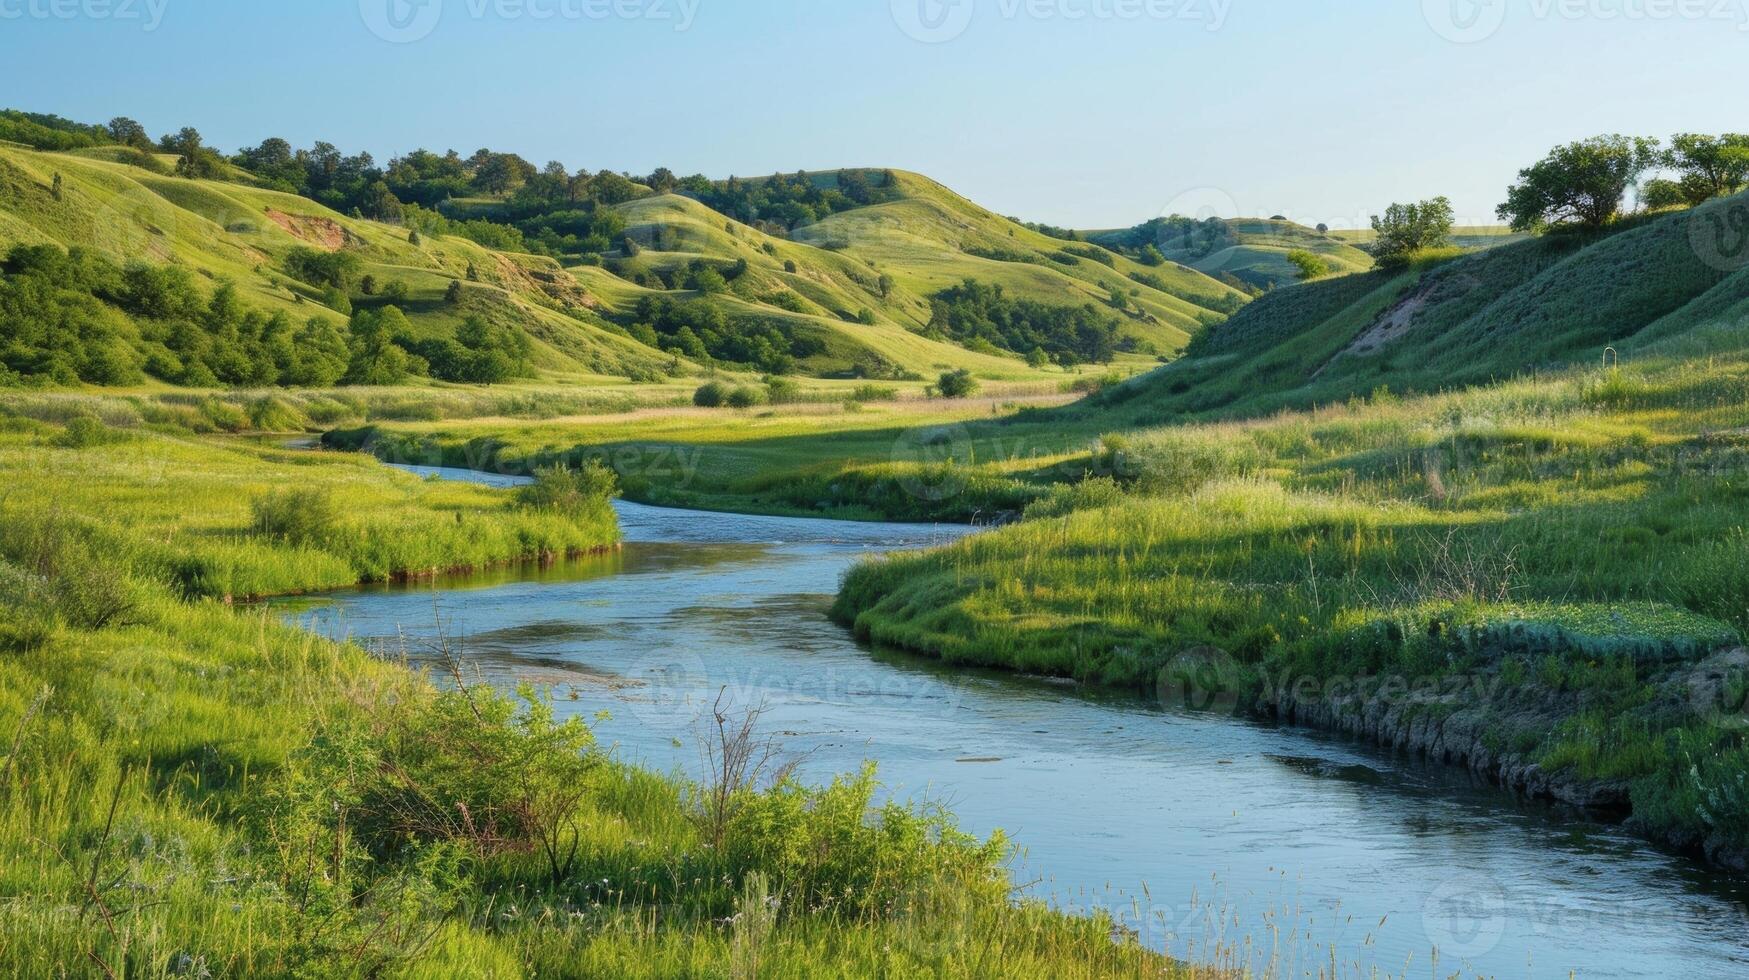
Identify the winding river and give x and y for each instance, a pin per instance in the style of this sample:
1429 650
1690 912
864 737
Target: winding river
1212 838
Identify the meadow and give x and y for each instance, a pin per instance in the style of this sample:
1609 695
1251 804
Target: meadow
192 788
1577 539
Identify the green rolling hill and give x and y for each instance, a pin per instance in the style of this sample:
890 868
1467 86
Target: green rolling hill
1644 289
853 293
1250 251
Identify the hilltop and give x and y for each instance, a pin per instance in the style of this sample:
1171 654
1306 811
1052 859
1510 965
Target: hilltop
594 278
1250 253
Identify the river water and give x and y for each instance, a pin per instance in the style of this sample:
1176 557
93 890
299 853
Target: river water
1215 839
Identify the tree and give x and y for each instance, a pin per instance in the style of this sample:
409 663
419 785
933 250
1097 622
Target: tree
1309 265
1661 194
1581 183
1405 229
55 189
1708 166
453 294
129 133
957 384
375 357
1323 229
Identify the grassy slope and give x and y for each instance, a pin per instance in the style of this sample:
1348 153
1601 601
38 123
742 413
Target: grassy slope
1577 536
1536 304
833 289
235 232
183 788
1259 250
920 240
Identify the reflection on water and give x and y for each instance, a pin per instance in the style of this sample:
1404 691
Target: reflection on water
1199 832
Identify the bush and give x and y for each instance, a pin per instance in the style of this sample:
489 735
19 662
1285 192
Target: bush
84 432
745 397
874 393
303 516
711 394
782 391
60 571
579 494
957 384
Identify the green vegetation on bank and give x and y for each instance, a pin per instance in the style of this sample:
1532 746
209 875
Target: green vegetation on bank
191 789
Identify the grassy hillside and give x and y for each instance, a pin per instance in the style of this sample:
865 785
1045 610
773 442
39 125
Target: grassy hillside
845 296
929 239
1253 251
1538 304
231 232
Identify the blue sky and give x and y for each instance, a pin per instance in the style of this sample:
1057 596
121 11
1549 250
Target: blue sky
1083 112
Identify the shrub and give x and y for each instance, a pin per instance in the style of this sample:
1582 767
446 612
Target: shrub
745 397
84 432
302 516
711 394
957 384
874 393
580 494
782 391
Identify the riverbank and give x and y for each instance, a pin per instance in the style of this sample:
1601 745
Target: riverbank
191 788
1568 552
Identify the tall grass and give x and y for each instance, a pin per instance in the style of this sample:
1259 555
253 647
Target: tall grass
1555 533
188 789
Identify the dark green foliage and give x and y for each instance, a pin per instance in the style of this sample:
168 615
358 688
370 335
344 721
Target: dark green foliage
341 270
711 394
957 384
50 132
1707 166
1405 229
745 397
71 317
481 353
703 331
789 202
1580 183
1070 334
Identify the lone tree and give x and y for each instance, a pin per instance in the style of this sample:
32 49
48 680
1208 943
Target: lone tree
1708 166
1405 229
1580 184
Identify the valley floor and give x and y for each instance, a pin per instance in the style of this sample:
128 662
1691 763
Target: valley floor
190 788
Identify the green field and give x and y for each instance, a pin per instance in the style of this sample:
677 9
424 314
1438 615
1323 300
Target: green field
191 788
1575 534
